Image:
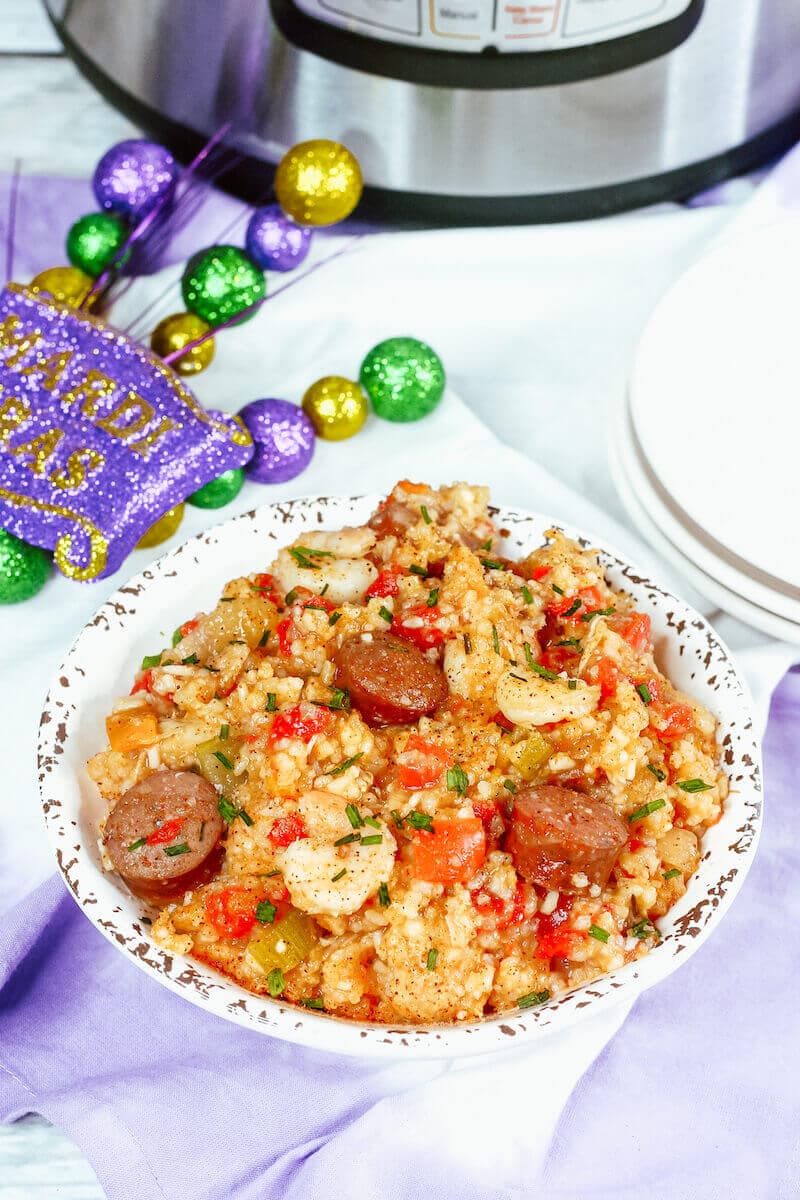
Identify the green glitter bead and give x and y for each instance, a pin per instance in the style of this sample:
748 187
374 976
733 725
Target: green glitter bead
220 491
23 569
404 378
93 241
219 283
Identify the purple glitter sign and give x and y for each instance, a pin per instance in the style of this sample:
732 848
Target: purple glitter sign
98 438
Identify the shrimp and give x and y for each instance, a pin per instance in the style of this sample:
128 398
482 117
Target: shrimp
533 700
332 880
338 566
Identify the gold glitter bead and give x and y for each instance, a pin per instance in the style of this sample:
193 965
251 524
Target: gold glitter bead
318 182
67 285
337 407
164 528
175 332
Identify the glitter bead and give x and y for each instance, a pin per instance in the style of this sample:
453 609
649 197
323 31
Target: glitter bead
68 285
164 528
133 176
175 332
318 182
23 569
284 439
219 283
337 407
404 379
274 241
93 241
220 491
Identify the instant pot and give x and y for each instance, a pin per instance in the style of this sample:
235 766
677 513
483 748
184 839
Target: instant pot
461 111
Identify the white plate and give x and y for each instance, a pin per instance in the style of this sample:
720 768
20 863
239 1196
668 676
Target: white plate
639 505
714 402
109 650
697 549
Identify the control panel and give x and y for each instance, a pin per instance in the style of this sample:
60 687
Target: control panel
510 25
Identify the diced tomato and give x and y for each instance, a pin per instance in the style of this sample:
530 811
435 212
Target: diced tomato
590 600
502 720
286 830
452 853
165 833
484 810
232 912
553 938
607 675
421 764
514 910
144 683
435 569
284 637
266 585
415 489
188 626
387 583
634 844
302 721
672 721
636 631
427 635
538 573
558 658
485 902
314 601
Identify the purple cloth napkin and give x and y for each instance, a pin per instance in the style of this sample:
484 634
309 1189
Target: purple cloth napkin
697 1097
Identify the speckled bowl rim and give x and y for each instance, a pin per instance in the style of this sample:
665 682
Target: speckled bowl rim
694 655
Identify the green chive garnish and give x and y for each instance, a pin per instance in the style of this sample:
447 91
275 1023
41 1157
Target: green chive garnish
532 998
659 774
596 932
384 612
420 820
598 612
384 899
174 851
458 780
693 785
543 671
347 839
529 659
177 637
559 591
492 565
398 820
272 702
190 660
226 762
572 684
137 845
290 597
348 762
526 594
229 812
646 810
495 640
151 660
430 962
672 873
644 692
264 639
425 514
433 597
224 731
248 820
339 875
371 821
373 839
510 786
421 571
275 982
467 644
313 1002
643 929
334 617
265 912
573 608
574 642
354 816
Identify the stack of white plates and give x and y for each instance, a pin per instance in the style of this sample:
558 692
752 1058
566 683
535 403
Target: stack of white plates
706 445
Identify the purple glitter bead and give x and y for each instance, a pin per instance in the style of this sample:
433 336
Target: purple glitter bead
274 241
284 438
133 176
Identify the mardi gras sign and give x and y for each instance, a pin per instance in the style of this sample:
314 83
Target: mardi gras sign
98 438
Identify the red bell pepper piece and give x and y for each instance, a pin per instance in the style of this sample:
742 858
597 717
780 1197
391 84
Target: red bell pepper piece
452 853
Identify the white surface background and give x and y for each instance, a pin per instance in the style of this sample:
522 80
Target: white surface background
543 376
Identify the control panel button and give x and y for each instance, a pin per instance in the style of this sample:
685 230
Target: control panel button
604 16
395 16
467 19
527 18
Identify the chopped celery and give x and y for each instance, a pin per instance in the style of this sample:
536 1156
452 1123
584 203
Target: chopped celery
532 755
284 944
213 759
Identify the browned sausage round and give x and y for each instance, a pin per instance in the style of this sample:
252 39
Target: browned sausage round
389 681
162 835
556 833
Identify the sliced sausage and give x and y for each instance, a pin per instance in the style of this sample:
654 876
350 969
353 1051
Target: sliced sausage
389 681
556 834
163 835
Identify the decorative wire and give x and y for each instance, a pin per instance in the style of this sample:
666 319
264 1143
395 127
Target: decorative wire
13 194
252 308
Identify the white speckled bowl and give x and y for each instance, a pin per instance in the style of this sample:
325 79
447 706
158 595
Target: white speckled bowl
108 652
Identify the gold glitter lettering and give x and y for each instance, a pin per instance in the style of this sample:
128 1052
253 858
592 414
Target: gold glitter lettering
113 423
146 444
52 367
42 448
13 413
98 542
79 465
21 343
89 392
